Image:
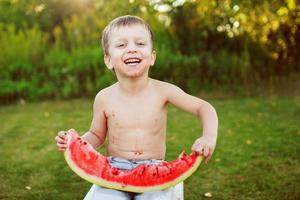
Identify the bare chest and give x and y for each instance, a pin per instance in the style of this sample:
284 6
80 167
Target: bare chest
136 114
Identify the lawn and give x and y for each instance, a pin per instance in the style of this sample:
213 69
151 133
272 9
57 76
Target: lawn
257 155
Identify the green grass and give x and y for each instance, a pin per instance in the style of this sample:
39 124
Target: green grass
257 155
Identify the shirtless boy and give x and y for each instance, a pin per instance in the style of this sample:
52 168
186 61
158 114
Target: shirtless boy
132 113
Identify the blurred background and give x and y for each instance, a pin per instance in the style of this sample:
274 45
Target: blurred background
241 56
50 49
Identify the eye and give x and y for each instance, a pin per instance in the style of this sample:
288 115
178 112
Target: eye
121 45
140 43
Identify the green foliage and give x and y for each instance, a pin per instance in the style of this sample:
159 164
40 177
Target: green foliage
51 49
20 50
174 67
32 70
20 46
76 73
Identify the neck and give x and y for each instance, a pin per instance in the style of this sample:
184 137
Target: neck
133 85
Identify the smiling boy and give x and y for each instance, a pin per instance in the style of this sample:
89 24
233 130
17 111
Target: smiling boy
132 113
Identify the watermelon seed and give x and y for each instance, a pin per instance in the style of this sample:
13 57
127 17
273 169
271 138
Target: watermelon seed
156 170
84 143
115 172
142 171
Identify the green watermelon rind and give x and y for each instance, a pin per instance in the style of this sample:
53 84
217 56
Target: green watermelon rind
130 188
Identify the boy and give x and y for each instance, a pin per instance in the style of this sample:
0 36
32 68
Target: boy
132 113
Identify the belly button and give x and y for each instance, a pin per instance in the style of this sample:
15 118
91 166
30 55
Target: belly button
138 153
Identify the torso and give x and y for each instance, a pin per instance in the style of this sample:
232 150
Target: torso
136 125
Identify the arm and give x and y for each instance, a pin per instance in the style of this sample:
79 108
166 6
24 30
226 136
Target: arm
97 133
204 111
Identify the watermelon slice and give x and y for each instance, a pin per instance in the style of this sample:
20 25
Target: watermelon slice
85 161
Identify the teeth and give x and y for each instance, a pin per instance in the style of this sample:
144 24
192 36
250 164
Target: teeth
132 60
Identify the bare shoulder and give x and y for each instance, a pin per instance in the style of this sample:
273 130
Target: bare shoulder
176 96
165 87
162 85
104 94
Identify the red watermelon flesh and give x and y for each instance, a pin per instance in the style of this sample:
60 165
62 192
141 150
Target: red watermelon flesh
85 161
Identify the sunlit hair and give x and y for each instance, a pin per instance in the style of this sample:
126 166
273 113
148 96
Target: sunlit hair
122 21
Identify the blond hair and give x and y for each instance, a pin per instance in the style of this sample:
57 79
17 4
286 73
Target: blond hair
122 21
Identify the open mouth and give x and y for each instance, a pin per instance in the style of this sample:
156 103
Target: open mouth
132 61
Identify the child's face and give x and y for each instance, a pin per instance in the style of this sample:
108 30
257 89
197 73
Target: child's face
130 51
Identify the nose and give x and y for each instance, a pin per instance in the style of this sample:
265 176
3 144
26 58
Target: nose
131 48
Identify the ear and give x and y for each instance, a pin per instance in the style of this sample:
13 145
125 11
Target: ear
107 62
153 57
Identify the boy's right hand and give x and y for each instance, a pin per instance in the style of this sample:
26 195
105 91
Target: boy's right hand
61 140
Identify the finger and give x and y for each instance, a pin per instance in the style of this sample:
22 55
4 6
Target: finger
211 150
72 129
199 149
208 158
60 140
59 145
206 151
62 149
62 134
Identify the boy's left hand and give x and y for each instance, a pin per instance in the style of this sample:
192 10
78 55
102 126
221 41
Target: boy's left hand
204 146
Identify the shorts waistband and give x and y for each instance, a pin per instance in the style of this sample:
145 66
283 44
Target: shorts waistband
128 164
134 161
